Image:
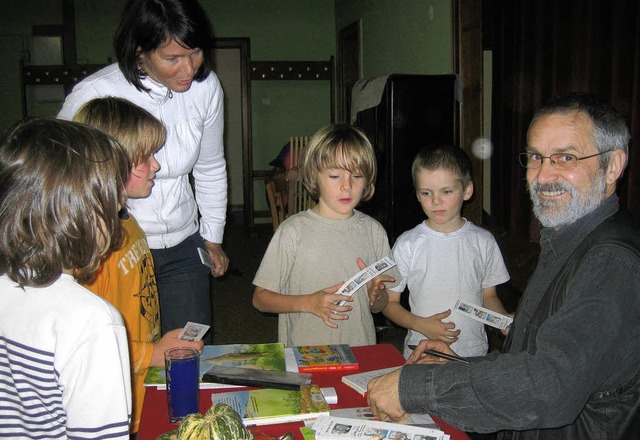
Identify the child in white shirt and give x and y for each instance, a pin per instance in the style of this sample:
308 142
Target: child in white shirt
64 361
444 258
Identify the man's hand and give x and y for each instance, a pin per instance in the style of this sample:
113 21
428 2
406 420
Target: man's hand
219 258
384 399
419 357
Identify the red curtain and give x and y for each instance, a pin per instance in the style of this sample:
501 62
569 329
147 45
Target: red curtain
543 48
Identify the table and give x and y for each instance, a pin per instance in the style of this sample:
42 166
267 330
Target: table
155 419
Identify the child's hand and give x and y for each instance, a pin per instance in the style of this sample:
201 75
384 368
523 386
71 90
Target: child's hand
323 304
505 331
170 340
436 330
378 296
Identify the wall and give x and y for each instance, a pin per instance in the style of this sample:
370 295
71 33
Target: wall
414 38
281 30
15 30
398 36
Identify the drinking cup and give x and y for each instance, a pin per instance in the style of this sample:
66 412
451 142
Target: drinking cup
182 372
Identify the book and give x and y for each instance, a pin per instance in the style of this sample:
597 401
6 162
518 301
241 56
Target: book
270 406
311 358
256 378
258 356
339 428
359 381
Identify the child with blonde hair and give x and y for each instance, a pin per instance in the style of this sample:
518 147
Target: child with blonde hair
126 278
313 252
444 258
64 364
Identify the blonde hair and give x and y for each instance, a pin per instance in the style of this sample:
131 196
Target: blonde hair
137 130
338 146
61 186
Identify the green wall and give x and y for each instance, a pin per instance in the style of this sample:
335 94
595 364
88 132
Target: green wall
397 36
282 30
96 22
16 20
400 36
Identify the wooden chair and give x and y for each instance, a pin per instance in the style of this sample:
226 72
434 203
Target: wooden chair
285 192
299 197
276 186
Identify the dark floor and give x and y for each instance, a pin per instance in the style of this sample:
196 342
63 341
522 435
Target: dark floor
236 321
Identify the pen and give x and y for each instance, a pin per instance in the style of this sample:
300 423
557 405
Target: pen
440 354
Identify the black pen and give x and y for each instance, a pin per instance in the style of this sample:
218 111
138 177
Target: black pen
440 354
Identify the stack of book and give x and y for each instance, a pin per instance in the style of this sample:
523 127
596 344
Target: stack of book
270 406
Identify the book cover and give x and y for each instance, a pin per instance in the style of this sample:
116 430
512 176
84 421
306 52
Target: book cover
359 381
257 378
310 358
269 406
259 356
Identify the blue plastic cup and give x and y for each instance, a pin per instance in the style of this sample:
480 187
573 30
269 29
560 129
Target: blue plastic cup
182 370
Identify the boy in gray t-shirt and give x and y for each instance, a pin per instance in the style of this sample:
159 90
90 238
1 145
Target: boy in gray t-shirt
313 252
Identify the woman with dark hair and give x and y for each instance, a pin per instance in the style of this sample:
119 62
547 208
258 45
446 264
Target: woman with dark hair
163 51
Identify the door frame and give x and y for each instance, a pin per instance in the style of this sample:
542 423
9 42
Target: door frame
243 44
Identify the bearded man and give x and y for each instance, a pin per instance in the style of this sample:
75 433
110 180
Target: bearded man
570 367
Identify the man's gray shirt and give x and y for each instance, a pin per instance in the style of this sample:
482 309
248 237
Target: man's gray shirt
588 344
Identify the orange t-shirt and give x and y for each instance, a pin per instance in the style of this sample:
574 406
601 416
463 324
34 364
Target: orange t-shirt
127 280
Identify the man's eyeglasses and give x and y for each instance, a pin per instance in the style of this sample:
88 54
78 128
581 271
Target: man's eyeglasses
560 161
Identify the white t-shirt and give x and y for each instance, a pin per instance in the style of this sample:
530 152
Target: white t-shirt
441 267
64 363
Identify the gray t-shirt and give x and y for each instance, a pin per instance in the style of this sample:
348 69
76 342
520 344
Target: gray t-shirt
308 253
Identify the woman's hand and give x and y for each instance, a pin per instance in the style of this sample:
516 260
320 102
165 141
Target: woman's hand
219 258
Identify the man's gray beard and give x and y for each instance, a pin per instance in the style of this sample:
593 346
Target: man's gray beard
552 214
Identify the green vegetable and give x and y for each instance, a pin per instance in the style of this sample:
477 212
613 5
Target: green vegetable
220 422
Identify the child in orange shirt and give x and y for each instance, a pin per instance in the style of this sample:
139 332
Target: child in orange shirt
126 278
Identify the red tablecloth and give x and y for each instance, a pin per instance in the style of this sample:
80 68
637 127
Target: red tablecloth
155 419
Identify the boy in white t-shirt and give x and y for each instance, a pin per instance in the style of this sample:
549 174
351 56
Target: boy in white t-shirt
444 258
